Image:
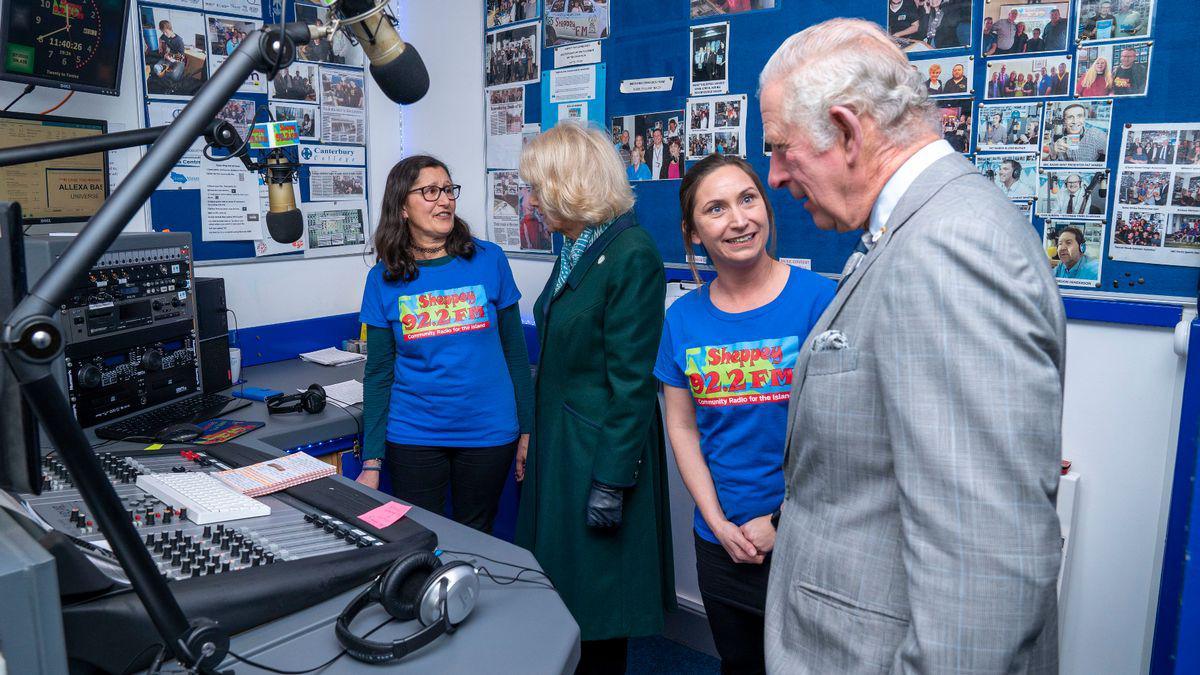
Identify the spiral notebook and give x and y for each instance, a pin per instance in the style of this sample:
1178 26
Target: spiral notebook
274 475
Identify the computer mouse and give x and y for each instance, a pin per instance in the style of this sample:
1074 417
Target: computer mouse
179 433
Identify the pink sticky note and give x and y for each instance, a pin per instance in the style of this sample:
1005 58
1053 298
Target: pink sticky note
384 515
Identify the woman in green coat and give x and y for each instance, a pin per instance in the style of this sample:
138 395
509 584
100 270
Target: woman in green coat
594 507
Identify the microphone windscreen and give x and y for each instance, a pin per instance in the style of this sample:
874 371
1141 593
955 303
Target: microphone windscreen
285 226
404 79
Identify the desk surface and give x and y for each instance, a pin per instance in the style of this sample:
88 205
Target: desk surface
519 628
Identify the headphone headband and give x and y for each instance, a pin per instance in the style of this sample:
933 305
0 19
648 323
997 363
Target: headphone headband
417 586
311 401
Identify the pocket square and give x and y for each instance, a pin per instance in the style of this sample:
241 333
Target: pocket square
830 341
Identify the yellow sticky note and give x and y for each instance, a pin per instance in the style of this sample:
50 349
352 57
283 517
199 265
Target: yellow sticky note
156 446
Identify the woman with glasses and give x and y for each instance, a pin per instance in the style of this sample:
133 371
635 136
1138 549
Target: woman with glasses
447 391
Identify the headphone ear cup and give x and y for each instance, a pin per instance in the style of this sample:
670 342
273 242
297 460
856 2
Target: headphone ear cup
313 400
400 588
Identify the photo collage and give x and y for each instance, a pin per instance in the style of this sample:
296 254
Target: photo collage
1157 209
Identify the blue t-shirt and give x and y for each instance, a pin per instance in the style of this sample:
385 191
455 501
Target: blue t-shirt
1086 268
739 370
451 385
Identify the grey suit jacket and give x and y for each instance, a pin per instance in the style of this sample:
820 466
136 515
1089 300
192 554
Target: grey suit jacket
919 533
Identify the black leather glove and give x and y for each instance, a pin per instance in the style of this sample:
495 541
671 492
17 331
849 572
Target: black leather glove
604 506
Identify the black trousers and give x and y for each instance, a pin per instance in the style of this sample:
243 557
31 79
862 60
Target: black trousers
603 657
421 473
734 596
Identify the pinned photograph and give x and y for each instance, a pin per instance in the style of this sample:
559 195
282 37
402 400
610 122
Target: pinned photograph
957 124
1114 19
297 82
1026 78
710 59
224 36
651 145
512 55
1150 146
702 8
569 21
947 76
1103 71
338 50
1016 174
240 113
1011 127
1073 248
1011 27
1183 231
1186 191
1076 133
716 124
923 25
1188 153
1138 227
1144 188
306 117
341 88
503 12
513 222
1073 193
174 51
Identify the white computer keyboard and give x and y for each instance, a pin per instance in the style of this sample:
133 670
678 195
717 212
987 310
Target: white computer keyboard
206 499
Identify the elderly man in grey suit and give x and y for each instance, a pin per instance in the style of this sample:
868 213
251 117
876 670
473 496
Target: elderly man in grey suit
919 533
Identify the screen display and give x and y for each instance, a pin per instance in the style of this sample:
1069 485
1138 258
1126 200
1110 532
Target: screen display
72 44
66 190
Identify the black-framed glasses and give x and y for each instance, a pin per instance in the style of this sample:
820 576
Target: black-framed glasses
431 193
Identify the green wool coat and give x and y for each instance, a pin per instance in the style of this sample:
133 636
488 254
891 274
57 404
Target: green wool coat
597 416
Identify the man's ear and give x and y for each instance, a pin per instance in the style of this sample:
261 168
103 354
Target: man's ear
850 134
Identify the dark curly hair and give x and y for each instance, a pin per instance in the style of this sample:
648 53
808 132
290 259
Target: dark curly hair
393 240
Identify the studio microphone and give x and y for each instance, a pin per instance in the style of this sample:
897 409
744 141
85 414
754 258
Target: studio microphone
284 222
395 65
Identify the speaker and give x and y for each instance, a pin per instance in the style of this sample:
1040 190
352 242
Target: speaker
215 372
211 318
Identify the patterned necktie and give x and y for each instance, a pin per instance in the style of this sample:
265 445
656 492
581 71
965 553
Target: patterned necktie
855 258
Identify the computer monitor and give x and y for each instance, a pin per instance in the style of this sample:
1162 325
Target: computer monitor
67 190
65 44
20 458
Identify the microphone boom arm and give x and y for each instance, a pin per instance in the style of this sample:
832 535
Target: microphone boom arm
30 338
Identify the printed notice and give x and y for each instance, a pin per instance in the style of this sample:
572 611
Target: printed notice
577 55
647 84
334 228
573 84
742 373
446 312
330 183
229 207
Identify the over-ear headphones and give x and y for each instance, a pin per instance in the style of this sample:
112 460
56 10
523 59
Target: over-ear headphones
311 401
417 586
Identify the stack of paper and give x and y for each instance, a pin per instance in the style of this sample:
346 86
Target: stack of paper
275 474
332 356
344 394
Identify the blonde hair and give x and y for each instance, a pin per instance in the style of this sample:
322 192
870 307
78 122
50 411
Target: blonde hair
577 174
1090 76
851 63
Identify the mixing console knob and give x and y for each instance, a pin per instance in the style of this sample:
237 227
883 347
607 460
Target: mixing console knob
152 359
176 302
89 377
157 305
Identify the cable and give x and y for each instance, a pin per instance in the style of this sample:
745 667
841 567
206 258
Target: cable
357 421
60 104
498 562
237 339
126 670
28 88
507 581
310 670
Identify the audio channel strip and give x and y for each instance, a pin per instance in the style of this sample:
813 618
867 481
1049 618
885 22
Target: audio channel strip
129 325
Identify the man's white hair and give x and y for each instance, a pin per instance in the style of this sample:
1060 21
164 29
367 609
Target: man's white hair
854 64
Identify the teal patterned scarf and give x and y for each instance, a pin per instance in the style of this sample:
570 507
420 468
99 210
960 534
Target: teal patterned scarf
573 250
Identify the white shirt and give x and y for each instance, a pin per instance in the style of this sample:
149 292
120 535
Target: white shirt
656 160
899 183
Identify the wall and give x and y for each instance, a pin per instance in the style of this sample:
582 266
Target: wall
263 292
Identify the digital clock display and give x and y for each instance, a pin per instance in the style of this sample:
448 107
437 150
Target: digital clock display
73 44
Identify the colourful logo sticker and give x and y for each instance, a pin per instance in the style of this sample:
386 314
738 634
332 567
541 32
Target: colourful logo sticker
434 313
742 373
